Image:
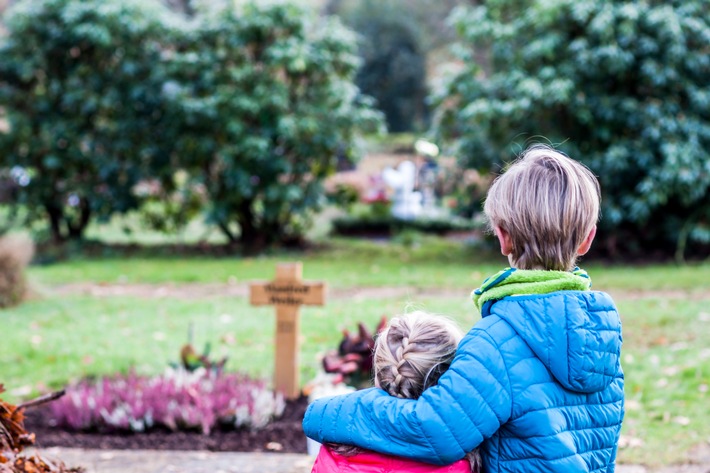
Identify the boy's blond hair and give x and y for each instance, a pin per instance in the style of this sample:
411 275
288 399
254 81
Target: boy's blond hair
548 204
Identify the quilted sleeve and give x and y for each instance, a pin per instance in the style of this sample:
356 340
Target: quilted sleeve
470 403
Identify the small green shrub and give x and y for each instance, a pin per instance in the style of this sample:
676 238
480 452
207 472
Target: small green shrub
387 225
344 195
15 254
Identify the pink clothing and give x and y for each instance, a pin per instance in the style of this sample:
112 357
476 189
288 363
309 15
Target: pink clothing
328 461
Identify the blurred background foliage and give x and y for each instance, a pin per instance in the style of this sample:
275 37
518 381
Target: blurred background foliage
622 86
237 111
265 106
240 110
80 85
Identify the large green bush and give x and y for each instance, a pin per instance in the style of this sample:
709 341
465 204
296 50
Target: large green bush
267 103
80 82
114 105
621 85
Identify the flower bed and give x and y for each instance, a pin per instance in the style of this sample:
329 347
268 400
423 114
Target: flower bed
176 400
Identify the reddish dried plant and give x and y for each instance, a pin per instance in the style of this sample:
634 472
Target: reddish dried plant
14 438
353 359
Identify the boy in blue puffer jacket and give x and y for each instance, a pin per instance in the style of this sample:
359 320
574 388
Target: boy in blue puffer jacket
537 383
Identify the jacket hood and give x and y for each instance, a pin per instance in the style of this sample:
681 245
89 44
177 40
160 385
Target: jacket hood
576 334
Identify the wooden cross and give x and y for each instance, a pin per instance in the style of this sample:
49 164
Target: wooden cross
287 292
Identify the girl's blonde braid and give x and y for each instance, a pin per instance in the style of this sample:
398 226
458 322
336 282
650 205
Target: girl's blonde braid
402 385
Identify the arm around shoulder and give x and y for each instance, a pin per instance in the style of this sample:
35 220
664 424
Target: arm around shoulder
468 405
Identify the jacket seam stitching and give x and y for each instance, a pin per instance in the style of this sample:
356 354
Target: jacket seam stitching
584 404
558 458
452 434
505 362
431 445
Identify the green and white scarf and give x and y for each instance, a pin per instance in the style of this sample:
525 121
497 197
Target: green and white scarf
512 281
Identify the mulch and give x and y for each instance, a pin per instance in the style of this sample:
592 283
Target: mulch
281 435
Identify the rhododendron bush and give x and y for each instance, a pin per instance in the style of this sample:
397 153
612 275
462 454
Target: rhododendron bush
176 400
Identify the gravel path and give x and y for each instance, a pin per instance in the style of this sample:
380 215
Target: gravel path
148 461
194 291
151 461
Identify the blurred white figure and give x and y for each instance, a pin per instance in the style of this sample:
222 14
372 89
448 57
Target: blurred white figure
406 203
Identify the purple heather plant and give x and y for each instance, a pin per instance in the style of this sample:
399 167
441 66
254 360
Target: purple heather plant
177 400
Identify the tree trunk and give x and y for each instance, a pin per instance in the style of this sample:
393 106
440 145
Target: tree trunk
77 231
227 232
61 226
56 217
251 236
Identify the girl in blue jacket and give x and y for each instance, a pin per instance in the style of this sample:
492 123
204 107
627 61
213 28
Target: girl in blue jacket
537 383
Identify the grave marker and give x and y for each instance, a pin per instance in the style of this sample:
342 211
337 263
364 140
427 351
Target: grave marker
288 292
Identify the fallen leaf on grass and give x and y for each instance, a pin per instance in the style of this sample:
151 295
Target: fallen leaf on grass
681 420
626 441
670 370
22 391
660 341
633 405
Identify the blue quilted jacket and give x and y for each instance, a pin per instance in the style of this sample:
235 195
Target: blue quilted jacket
536 383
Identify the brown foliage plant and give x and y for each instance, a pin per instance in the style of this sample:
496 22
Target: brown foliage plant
16 252
14 438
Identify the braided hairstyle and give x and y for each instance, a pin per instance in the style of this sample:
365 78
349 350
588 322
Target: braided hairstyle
413 352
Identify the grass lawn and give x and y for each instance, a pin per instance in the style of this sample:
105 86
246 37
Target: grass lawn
57 337
666 360
432 263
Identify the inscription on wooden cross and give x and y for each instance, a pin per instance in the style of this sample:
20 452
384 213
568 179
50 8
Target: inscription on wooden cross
288 293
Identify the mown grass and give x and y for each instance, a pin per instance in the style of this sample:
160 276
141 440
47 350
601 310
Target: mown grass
429 263
56 338
667 367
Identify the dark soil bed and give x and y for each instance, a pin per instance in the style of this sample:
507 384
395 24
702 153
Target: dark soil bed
284 434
